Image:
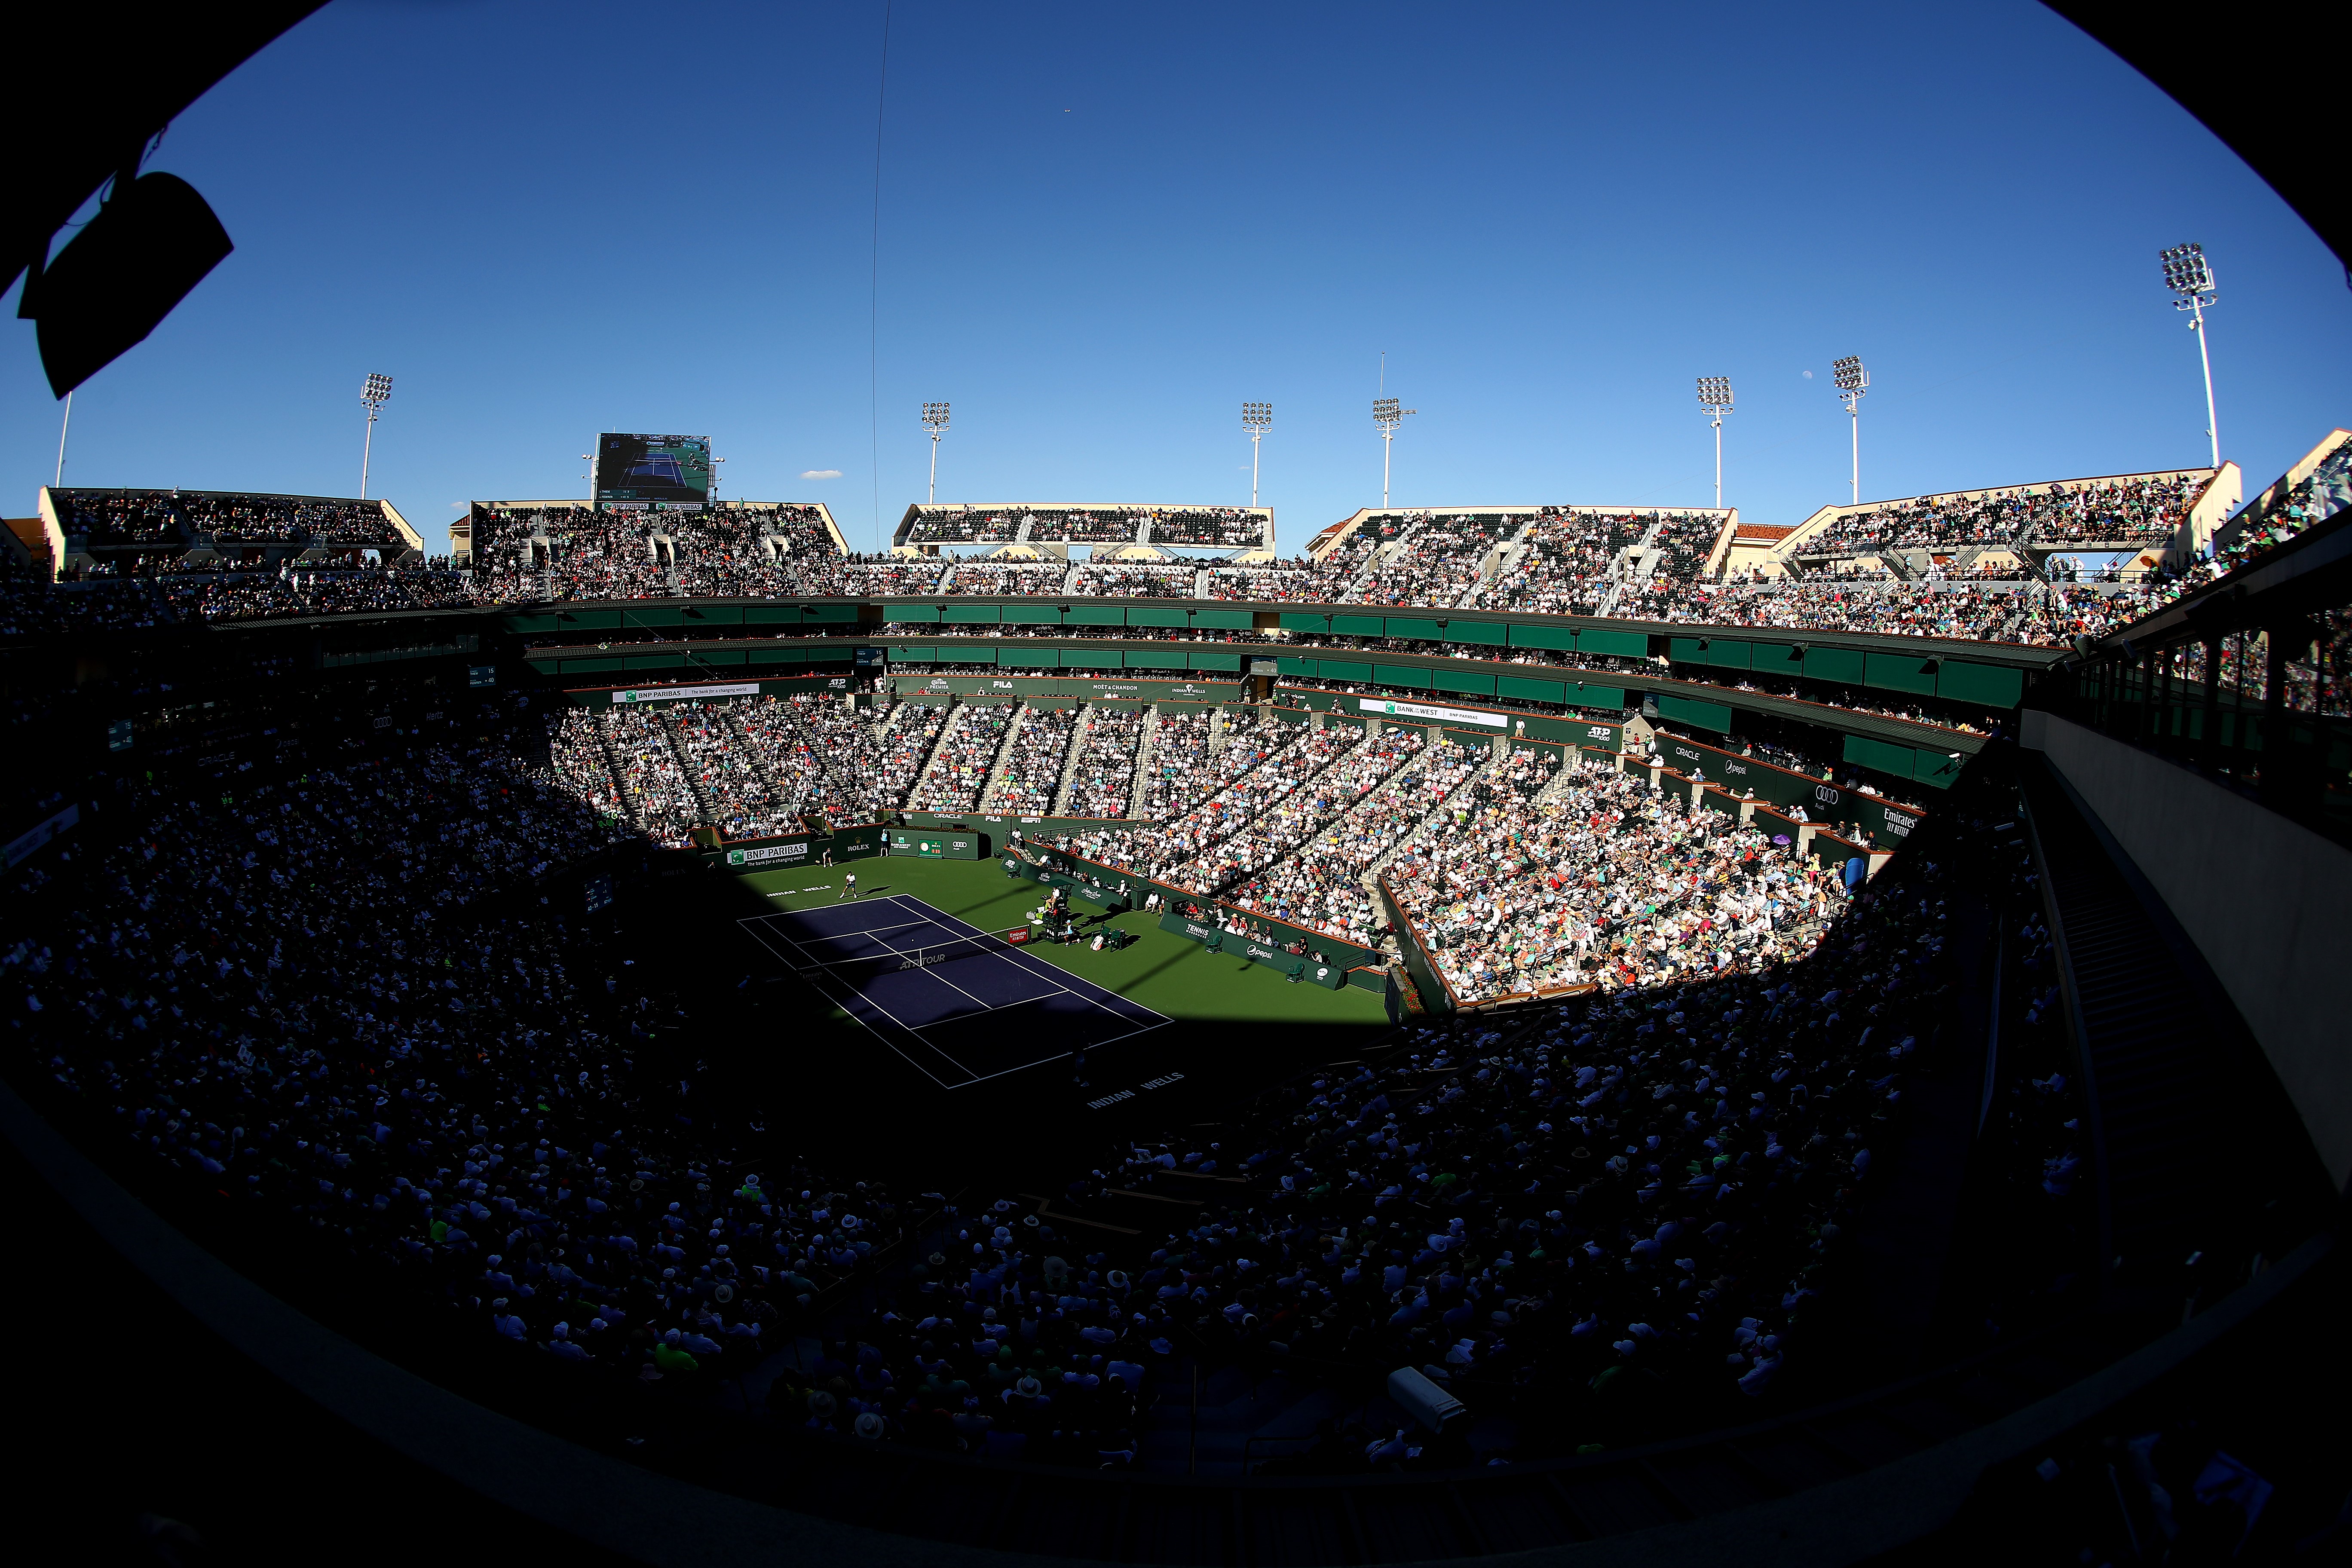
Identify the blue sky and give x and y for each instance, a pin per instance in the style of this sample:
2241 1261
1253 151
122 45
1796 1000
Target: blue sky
1103 229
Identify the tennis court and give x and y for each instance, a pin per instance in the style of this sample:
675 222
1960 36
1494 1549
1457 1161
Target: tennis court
957 1002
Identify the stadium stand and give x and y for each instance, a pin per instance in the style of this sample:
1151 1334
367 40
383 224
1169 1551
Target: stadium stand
99 526
1030 776
527 550
964 758
1125 581
1708 1041
1003 578
2315 489
1225 530
906 738
1103 762
2169 515
1604 879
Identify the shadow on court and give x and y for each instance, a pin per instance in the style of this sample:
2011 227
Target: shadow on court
796 1076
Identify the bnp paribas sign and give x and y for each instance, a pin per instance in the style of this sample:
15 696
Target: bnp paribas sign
796 850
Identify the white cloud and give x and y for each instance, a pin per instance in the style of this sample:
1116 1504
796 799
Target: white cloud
820 473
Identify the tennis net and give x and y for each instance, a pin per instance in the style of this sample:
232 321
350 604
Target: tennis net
892 960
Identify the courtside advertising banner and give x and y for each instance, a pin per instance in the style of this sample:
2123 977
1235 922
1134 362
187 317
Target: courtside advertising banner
679 693
770 854
1443 715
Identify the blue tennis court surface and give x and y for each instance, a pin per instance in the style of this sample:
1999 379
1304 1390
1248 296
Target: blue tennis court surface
978 1013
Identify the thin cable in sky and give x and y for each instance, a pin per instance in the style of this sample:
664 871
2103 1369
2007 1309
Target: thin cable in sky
874 293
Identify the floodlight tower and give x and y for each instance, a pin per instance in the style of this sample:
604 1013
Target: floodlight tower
2189 275
1387 417
1715 396
1853 382
375 394
1258 418
935 419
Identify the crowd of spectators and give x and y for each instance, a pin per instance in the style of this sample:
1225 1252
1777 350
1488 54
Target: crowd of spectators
1437 556
1007 578
896 578
568 552
904 743
1127 580
1259 766
341 1002
2261 527
1195 756
1617 1203
304 591
1683 542
960 766
653 788
1274 580
717 553
1361 763
748 793
1604 881
576 752
1031 775
962 525
1566 565
2025 613
815 747
102 519
1102 782
2126 513
1211 528
1321 885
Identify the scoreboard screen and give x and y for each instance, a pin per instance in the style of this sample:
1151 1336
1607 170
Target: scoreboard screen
652 470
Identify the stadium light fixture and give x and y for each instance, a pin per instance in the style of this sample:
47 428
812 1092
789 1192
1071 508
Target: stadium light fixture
1258 418
2190 276
935 419
1853 382
1715 396
374 392
1386 417
63 429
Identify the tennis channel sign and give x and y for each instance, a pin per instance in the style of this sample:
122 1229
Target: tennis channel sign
1443 715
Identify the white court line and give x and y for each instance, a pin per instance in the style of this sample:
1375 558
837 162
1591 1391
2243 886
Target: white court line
1053 975
1091 1044
841 997
878 932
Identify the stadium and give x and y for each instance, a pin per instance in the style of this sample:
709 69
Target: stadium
1565 1027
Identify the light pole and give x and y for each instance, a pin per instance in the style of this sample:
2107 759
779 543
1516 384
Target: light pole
375 394
589 458
1715 396
935 419
1853 382
62 429
1258 418
1387 417
2189 275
